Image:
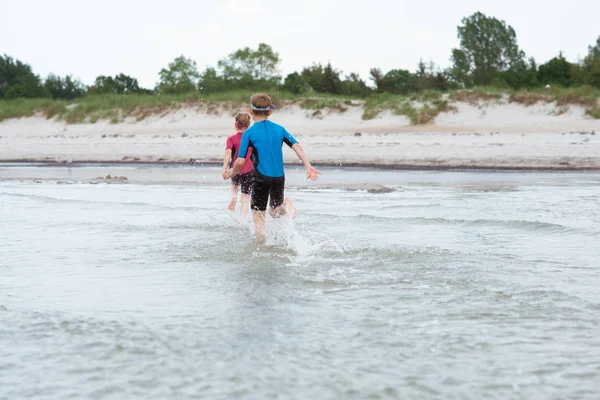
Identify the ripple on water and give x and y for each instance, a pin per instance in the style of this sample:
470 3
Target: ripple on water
431 292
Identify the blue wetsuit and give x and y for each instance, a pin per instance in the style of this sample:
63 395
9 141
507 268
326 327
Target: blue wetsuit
266 139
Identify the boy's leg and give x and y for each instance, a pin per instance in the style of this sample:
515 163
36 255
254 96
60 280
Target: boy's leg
279 206
234 192
277 212
259 226
246 187
245 206
258 202
290 208
286 208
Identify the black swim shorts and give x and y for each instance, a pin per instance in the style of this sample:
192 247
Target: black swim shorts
243 180
264 187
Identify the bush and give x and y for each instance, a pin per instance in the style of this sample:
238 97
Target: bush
476 96
556 71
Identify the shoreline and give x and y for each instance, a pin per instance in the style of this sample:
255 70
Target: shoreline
19 163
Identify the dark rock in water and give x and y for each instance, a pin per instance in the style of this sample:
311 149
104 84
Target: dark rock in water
381 190
110 179
357 134
368 187
185 135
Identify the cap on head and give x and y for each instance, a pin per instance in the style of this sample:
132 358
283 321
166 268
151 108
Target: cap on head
261 102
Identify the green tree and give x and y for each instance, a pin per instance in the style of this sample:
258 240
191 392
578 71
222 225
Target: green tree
398 81
377 77
461 70
355 86
428 77
556 71
126 84
532 75
180 77
316 77
487 46
248 68
103 84
67 88
589 73
296 83
211 82
18 80
121 84
521 75
331 80
313 76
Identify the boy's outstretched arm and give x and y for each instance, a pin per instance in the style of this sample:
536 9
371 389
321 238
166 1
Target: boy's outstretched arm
311 173
237 165
226 160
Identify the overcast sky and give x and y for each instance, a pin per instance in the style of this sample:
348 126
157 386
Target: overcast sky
88 38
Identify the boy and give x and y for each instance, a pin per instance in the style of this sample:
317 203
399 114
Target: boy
266 138
243 180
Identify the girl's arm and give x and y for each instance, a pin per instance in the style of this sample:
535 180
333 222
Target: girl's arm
226 161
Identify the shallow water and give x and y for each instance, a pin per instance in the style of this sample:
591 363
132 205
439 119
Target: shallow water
455 285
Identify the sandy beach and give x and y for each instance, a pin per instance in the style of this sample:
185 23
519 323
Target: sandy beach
498 135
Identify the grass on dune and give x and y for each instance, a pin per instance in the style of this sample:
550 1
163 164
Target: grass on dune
27 107
116 108
585 96
420 108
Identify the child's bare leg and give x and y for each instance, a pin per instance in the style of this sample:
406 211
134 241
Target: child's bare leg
234 192
277 212
286 208
259 226
289 207
245 198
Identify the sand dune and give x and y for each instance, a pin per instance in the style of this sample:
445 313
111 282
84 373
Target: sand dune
494 136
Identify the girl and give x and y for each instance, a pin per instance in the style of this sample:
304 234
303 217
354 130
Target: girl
243 180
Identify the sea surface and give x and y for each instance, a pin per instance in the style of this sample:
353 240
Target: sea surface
388 285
